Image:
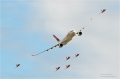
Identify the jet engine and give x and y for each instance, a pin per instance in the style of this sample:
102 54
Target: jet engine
60 45
79 33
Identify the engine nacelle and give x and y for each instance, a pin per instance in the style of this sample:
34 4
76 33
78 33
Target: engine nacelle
60 45
79 33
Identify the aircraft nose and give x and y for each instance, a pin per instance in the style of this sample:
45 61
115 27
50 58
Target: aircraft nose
74 32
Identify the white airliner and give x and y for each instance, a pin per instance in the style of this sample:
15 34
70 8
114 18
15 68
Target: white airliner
63 42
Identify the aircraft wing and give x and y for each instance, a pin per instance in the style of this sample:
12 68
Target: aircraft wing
46 50
84 26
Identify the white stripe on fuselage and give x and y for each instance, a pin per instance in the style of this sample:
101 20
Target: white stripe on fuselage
68 37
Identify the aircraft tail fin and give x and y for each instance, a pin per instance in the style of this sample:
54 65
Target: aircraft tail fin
56 38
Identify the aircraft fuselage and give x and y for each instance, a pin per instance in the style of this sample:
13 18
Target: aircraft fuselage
67 38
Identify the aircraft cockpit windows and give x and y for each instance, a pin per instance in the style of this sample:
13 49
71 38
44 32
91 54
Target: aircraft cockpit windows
72 30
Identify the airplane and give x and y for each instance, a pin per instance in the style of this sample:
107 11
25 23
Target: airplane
65 40
17 65
57 68
67 66
103 10
67 58
76 55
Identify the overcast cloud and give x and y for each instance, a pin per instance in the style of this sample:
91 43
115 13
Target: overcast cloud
98 46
